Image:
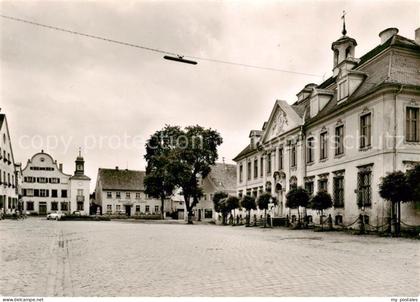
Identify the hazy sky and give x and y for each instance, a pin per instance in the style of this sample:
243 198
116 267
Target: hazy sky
62 91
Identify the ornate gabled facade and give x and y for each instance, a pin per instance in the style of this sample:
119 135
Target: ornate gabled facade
46 188
344 134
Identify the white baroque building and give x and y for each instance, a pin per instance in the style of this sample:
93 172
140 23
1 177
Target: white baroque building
46 188
344 134
8 180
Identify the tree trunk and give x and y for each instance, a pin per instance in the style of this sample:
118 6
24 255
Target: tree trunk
189 209
162 208
190 215
265 218
393 231
248 218
399 218
298 216
322 220
233 223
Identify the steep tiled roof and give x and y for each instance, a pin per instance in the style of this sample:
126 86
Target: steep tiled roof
223 176
377 75
300 108
244 152
327 83
396 40
124 180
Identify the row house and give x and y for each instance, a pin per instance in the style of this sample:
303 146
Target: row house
46 188
222 178
344 134
8 181
121 191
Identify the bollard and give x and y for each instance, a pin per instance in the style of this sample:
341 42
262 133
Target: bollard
330 226
361 225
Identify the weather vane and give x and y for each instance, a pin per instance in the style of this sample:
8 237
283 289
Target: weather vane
343 17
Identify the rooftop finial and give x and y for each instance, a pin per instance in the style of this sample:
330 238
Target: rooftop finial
343 17
80 151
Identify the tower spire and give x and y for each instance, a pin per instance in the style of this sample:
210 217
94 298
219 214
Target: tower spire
80 151
343 17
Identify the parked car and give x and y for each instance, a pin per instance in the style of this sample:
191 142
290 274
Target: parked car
77 213
55 215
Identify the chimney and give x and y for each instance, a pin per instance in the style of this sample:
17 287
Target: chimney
417 36
60 167
386 34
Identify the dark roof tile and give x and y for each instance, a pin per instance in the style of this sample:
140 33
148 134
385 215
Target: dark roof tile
244 152
223 176
124 180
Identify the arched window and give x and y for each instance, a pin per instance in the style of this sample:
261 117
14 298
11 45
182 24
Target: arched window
336 53
293 182
268 187
348 51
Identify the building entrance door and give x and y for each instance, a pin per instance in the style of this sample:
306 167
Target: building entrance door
42 210
128 210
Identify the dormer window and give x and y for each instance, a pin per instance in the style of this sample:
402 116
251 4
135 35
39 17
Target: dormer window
343 89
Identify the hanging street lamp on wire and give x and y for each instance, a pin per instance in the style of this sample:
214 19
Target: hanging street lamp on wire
180 59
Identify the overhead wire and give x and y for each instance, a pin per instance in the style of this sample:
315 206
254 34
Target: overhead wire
151 49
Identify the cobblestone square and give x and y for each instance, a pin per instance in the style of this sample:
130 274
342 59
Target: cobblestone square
126 258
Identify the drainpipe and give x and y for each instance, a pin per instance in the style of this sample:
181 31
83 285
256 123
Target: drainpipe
394 144
303 135
394 162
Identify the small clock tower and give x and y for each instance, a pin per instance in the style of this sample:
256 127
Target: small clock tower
80 186
80 165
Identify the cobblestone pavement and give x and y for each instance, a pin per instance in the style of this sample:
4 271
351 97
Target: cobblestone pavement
121 258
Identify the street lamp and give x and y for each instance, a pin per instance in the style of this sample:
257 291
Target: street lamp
180 59
271 206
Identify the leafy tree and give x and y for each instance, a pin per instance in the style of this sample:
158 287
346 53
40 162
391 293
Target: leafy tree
158 186
395 188
263 201
217 198
413 179
232 203
192 153
297 197
158 182
248 203
320 202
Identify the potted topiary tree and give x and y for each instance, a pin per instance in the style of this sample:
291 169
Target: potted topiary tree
232 203
295 198
320 202
395 188
248 203
413 179
263 201
217 200
224 210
